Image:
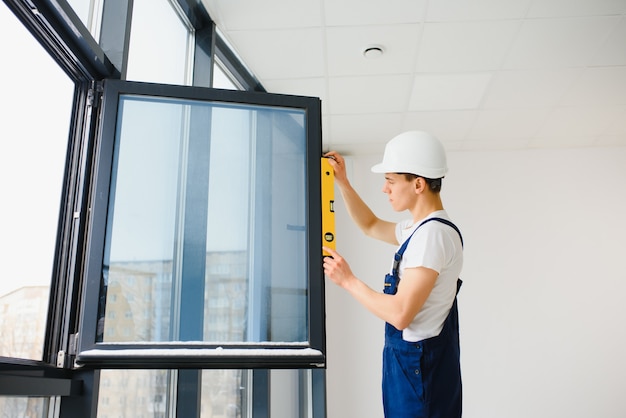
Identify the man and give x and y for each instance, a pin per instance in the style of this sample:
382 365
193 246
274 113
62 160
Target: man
421 370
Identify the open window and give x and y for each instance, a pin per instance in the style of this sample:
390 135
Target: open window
204 220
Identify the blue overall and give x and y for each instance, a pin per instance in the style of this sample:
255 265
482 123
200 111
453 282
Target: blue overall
422 379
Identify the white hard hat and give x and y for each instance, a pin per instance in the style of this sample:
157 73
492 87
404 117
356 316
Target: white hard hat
414 152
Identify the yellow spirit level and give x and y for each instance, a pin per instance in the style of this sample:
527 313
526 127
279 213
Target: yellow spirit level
328 205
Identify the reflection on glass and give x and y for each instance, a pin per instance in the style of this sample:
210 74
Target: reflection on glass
33 147
24 407
206 237
134 393
223 393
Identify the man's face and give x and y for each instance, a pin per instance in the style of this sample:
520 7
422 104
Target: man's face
401 192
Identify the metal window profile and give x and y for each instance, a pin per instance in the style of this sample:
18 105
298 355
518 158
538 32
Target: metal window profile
59 30
195 12
235 67
28 378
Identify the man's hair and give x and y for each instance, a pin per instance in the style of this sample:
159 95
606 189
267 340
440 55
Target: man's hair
433 184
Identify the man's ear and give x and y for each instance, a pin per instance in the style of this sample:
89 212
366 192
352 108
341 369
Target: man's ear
419 184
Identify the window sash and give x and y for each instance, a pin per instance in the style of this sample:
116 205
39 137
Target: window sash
265 344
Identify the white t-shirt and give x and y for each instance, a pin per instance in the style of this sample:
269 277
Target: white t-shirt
436 246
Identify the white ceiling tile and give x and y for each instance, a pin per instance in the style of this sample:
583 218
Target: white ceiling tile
528 88
282 53
354 129
449 126
513 124
380 94
446 10
589 121
563 8
345 46
553 43
598 86
359 12
613 50
448 91
465 46
267 14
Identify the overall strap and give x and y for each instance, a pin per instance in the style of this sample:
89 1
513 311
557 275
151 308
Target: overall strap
447 222
398 255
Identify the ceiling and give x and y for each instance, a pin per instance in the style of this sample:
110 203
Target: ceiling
479 74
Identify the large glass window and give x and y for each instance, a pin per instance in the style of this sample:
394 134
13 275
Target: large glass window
206 225
34 132
224 394
185 225
156 206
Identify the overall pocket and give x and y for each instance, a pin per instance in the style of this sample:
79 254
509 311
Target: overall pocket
391 284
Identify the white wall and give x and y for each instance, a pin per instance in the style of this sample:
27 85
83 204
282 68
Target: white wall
541 309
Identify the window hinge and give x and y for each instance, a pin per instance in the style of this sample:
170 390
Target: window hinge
61 359
94 94
73 345
63 356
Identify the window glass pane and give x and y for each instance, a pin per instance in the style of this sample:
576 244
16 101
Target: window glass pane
228 226
24 407
221 80
141 243
159 44
224 393
206 237
34 132
291 394
134 393
148 393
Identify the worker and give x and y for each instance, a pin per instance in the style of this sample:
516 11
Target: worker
421 375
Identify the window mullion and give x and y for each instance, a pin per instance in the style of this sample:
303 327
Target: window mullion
204 53
115 32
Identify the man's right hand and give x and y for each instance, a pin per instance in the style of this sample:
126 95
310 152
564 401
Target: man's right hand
338 164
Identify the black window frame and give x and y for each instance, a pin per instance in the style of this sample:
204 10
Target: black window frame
91 353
